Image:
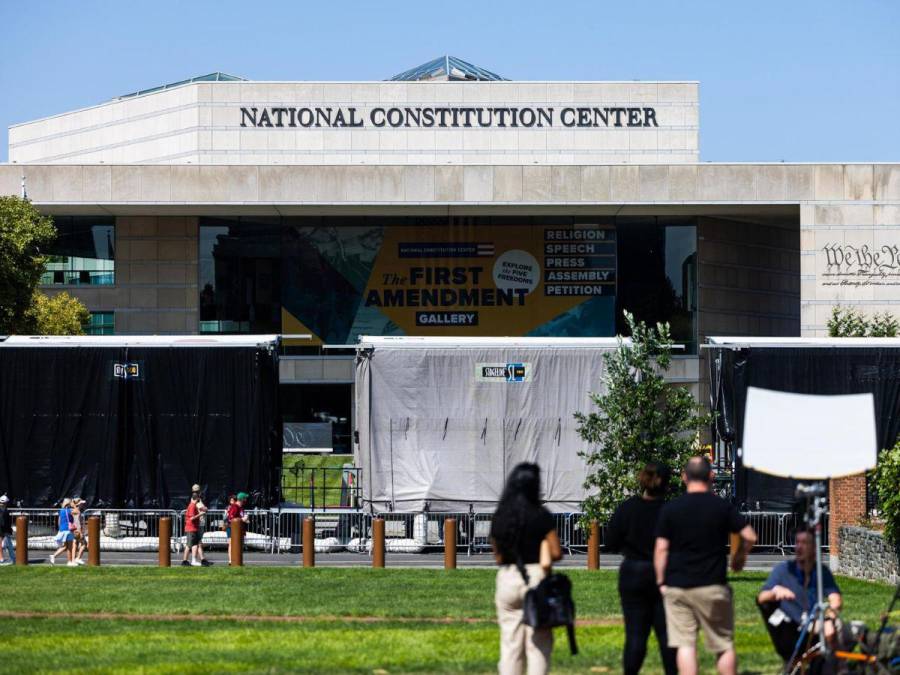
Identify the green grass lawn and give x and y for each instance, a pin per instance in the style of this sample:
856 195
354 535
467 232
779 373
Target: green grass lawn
425 620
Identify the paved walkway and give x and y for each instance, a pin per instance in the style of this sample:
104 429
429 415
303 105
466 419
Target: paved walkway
756 562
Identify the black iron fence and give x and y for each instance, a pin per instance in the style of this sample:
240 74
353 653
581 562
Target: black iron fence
321 487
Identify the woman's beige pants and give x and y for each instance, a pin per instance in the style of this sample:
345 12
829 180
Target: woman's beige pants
522 648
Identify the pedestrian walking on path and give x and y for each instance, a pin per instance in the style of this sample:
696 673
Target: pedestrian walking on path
80 531
235 512
193 533
65 537
7 554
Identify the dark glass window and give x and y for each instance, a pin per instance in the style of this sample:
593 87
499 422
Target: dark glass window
100 323
316 416
83 252
240 276
657 268
549 276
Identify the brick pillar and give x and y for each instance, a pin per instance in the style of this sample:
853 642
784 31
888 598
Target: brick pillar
847 505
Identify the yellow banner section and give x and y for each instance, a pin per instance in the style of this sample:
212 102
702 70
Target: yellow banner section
481 281
291 325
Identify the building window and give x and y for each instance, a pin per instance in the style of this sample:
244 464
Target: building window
100 323
316 417
544 276
83 253
240 276
658 275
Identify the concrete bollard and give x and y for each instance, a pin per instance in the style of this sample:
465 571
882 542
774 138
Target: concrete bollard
22 540
309 542
165 541
593 552
378 542
93 533
450 544
237 543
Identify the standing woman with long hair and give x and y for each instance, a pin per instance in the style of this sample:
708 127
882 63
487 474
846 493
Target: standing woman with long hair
525 542
632 530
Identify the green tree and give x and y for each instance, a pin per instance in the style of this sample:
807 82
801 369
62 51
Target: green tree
639 419
24 234
887 480
57 315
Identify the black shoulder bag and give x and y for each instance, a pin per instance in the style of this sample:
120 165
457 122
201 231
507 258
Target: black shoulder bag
550 604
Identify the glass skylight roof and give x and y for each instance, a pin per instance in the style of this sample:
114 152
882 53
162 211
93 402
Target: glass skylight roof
447 68
442 68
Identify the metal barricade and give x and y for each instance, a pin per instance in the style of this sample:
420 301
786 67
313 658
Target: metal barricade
279 530
791 522
259 535
769 527
336 530
120 529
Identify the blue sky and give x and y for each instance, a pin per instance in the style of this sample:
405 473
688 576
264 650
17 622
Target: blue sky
791 80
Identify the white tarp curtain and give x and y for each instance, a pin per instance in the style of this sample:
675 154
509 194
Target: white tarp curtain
431 433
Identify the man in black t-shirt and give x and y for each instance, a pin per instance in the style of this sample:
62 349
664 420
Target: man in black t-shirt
689 558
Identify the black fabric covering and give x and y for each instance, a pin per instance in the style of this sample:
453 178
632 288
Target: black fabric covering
802 370
68 427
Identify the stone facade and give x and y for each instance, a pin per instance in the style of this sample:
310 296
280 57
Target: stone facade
866 555
202 123
155 290
849 215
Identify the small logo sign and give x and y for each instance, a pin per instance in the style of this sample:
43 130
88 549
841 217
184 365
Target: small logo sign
503 372
127 371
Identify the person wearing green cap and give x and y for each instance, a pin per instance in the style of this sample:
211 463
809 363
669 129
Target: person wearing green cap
235 512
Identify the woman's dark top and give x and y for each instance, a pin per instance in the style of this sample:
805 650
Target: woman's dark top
537 523
632 528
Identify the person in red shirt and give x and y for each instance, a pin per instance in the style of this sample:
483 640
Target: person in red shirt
235 512
193 533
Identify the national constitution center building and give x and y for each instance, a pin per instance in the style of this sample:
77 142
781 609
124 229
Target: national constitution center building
446 201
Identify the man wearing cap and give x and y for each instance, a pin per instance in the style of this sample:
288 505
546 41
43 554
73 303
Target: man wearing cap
6 546
235 512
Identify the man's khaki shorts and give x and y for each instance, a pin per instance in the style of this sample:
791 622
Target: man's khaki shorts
708 607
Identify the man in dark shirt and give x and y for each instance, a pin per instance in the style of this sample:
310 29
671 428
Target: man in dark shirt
689 559
789 594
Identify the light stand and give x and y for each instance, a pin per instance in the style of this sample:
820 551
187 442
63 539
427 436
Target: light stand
808 436
814 493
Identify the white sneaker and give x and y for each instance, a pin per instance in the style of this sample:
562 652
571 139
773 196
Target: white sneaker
194 563
72 564
52 559
80 561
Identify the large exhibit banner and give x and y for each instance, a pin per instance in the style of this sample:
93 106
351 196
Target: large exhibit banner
497 280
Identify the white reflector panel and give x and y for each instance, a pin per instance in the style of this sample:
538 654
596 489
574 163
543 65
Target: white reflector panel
809 436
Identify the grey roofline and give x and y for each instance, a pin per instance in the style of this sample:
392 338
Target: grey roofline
209 77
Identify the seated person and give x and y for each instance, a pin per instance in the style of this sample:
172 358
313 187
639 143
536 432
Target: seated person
789 594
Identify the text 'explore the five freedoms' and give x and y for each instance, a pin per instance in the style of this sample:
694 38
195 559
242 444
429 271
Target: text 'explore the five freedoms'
447 117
